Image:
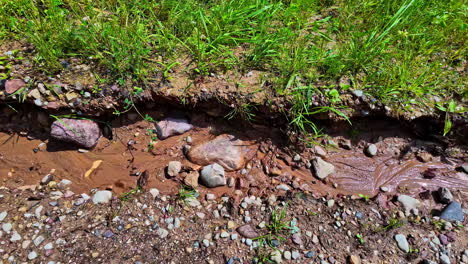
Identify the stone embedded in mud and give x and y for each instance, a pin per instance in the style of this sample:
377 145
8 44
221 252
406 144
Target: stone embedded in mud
453 212
173 168
371 150
322 168
225 150
172 126
213 176
12 86
102 197
84 133
247 231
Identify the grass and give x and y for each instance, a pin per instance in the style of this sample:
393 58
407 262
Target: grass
402 52
187 192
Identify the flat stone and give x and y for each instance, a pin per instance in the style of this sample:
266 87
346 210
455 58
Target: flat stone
83 133
453 212
103 196
321 168
247 231
212 176
162 233
154 192
353 259
191 179
173 168
172 126
402 243
14 85
287 255
225 150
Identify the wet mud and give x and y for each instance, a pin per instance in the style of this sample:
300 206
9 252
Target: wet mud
123 153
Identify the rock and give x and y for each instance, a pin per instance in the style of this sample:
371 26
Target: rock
154 192
453 212
64 183
296 238
3 215
276 257
32 255
330 203
424 157
162 233
102 197
84 133
38 240
464 168
247 231
172 126
322 168
283 187
287 255
213 176
173 168
7 227
225 150
353 259
15 237
14 85
358 93
371 150
309 254
444 259
192 179
295 254
402 242
46 179
319 151
384 189
35 93
408 202
445 196
210 196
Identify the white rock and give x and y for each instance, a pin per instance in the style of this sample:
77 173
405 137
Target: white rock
154 192
38 240
102 197
3 215
32 255
15 237
7 227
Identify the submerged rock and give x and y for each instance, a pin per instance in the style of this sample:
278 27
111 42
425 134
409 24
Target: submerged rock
225 150
322 168
84 133
172 126
213 176
453 212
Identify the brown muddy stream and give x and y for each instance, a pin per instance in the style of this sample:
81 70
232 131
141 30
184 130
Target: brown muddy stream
26 157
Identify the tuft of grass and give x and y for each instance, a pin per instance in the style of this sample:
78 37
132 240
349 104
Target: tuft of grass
187 192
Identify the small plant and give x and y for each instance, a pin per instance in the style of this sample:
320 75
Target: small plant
128 195
360 238
393 223
187 192
449 109
365 197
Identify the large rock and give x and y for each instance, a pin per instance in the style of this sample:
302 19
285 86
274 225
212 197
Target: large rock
172 126
173 168
102 197
453 212
84 133
225 150
322 168
12 86
408 202
213 176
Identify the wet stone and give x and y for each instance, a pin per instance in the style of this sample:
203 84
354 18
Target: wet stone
172 126
225 150
83 133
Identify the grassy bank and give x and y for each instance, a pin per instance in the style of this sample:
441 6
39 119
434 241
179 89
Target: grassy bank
404 53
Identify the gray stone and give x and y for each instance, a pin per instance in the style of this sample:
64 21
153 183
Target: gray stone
172 126
453 212
3 215
213 176
402 242
283 187
84 133
276 257
38 240
15 237
287 255
154 192
162 233
464 167
7 227
32 255
445 195
444 259
103 196
371 150
295 255
408 202
322 169
358 93
173 168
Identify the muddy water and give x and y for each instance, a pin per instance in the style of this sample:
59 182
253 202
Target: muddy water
26 161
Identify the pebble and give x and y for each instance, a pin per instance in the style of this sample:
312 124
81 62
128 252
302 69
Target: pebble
322 168
371 150
25 244
402 242
15 237
32 255
384 189
206 242
247 231
444 259
154 192
309 254
276 257
173 168
233 236
224 234
48 246
408 202
287 255
210 196
213 176
283 187
38 240
330 203
353 259
248 242
162 232
295 254
464 167
7 227
296 238
3 215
